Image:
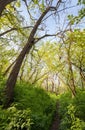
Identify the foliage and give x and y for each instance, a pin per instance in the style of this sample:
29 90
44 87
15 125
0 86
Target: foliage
81 13
72 112
41 104
14 119
28 97
2 84
41 121
65 100
54 64
70 121
79 102
74 56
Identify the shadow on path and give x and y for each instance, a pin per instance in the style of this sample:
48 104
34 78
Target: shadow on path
56 120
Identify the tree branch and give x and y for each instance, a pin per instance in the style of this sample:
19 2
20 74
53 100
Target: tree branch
3 4
12 29
59 11
50 35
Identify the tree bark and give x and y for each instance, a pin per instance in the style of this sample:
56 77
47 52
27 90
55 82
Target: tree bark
22 69
3 4
82 78
71 76
47 84
9 67
9 89
72 84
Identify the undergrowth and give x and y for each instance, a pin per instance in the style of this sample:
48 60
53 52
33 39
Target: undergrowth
72 111
33 109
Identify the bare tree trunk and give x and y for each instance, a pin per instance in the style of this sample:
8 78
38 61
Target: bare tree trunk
22 69
52 87
9 89
82 78
9 67
72 84
47 86
71 80
3 4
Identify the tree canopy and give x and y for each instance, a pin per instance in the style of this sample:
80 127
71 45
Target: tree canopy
42 42
42 64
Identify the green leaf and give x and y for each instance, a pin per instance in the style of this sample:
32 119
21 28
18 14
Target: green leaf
35 1
18 4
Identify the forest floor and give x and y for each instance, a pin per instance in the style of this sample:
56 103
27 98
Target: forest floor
56 120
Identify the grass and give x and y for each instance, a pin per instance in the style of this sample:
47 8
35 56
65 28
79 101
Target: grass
41 104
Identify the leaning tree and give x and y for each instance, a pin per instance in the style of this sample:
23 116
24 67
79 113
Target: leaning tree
45 9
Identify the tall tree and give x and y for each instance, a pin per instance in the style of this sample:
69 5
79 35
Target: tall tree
74 56
9 89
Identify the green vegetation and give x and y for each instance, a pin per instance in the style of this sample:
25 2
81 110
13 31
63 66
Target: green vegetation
33 108
42 64
72 111
42 106
14 119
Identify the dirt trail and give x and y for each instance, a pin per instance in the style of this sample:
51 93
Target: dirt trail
56 120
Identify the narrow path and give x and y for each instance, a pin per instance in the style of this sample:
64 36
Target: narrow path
56 120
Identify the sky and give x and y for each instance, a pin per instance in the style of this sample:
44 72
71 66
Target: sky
52 25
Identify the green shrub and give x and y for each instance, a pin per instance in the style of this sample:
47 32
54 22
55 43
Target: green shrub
2 85
79 102
14 119
70 121
72 111
65 100
41 122
41 104
27 96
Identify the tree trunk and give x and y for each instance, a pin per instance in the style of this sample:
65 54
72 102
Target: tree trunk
82 78
9 67
3 4
71 77
52 87
72 84
47 86
22 69
9 89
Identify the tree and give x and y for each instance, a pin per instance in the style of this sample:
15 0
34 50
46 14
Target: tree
71 82
78 57
9 89
3 4
81 13
74 56
16 30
